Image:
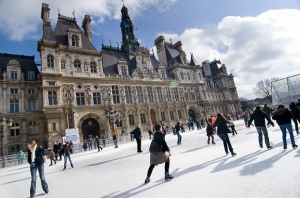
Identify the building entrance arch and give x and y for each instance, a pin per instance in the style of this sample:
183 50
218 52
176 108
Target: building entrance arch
192 115
90 128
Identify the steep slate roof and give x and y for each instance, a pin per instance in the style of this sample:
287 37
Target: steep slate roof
214 67
60 32
27 63
48 32
193 61
173 55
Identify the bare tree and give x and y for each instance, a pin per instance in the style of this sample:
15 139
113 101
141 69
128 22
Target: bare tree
263 89
244 104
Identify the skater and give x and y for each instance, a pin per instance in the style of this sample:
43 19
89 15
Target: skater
198 125
177 128
115 140
259 118
245 116
67 155
20 157
283 117
51 155
210 133
137 134
90 143
36 161
296 113
103 142
158 155
97 140
150 133
85 146
182 128
232 126
222 130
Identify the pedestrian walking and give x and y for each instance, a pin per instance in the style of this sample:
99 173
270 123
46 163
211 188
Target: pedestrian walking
36 161
20 157
159 153
51 155
232 126
67 155
177 128
115 140
55 149
210 131
283 117
259 118
59 151
90 144
137 134
222 130
97 140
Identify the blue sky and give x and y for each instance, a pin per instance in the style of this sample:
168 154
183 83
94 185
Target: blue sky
256 39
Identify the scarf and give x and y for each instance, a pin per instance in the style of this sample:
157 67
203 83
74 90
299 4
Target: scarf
33 153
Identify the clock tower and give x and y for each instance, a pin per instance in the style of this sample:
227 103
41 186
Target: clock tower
129 41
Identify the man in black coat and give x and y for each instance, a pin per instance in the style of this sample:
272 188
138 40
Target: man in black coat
137 134
259 121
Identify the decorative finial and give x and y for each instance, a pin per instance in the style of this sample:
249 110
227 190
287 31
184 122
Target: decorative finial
152 51
58 9
117 44
73 13
110 42
171 39
102 41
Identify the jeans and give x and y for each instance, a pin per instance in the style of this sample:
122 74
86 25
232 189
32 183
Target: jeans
263 130
65 158
224 137
33 170
116 143
283 129
178 137
139 144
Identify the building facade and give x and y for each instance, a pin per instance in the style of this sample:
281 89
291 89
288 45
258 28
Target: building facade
77 85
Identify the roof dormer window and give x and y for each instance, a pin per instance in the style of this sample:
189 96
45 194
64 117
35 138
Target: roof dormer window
75 41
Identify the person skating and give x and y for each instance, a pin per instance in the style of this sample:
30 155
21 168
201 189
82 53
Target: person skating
259 118
115 140
51 155
177 128
210 131
221 123
232 126
97 140
296 113
137 134
283 117
36 162
66 151
20 157
150 133
103 141
160 155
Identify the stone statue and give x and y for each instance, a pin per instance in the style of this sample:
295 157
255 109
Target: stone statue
4 75
71 92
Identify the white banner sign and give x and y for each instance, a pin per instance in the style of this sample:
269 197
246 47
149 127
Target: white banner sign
72 135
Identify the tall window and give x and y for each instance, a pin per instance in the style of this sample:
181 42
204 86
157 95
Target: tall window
15 129
53 126
139 92
30 91
143 118
13 91
62 64
50 61
124 71
168 94
14 75
150 94
14 106
75 41
80 98
93 67
128 94
52 97
31 105
32 128
131 119
159 94
115 94
77 65
176 94
171 115
179 114
97 98
30 75
163 116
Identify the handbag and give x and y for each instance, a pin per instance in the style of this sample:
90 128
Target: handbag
154 147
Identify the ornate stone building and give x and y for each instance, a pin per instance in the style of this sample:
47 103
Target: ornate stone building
77 84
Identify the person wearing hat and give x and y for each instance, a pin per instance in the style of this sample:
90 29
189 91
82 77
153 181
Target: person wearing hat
259 118
283 117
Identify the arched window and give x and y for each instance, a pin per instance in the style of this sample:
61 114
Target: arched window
181 76
50 61
32 128
93 67
62 64
123 71
15 129
75 41
77 65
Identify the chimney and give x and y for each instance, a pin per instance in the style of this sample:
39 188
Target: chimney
86 25
45 13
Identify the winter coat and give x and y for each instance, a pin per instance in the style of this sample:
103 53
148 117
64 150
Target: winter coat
97 140
295 111
267 110
38 156
245 117
222 126
137 134
66 150
51 153
20 156
259 118
161 157
282 116
210 130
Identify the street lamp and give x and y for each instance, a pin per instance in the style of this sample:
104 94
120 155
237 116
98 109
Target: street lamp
8 123
119 119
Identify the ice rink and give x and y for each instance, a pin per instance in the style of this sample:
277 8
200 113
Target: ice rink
199 170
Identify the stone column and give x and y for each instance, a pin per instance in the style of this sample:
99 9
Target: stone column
5 102
22 102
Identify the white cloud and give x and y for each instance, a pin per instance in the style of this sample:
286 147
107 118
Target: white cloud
22 19
253 48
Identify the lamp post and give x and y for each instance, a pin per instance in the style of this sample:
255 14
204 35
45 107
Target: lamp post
8 123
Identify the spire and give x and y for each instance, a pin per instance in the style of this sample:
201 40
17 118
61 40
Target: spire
193 61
